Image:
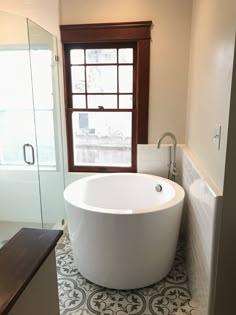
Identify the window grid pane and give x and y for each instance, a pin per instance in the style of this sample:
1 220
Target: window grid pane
101 79
102 101
101 56
77 56
126 101
78 79
79 100
126 55
126 79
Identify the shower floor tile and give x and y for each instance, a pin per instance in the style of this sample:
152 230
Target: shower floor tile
79 296
9 228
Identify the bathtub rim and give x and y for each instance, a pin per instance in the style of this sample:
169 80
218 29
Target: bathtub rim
177 199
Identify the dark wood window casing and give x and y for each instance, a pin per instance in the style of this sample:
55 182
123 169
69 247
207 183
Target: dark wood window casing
131 34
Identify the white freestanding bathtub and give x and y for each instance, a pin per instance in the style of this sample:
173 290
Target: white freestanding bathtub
123 230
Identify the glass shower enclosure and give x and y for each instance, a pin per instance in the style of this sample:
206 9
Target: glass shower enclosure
31 153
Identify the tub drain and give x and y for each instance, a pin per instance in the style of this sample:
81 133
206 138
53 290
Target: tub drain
158 188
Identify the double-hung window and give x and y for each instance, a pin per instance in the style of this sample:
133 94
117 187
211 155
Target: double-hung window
103 101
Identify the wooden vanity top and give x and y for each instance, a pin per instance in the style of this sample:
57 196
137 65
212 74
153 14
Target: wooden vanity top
20 258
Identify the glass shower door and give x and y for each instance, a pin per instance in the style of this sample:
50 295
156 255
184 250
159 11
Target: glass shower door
20 204
43 56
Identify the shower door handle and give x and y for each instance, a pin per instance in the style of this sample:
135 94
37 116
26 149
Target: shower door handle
24 153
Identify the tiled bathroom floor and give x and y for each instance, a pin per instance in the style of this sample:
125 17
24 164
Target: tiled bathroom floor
79 296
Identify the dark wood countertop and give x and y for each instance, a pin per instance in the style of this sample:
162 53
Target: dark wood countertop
20 258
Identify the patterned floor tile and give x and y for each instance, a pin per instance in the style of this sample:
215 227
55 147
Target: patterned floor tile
78 296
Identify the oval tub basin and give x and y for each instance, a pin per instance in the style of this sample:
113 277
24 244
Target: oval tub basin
123 230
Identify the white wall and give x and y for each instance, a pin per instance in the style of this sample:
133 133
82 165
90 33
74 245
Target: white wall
169 51
211 63
151 160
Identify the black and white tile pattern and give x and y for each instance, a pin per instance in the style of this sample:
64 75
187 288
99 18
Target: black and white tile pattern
79 296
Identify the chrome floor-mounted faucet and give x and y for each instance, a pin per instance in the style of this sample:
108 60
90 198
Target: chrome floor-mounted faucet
172 161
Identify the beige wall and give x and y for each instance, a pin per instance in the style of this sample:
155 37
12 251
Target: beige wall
211 62
14 31
43 12
169 51
16 27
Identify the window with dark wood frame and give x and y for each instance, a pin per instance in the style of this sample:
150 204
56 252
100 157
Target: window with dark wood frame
82 96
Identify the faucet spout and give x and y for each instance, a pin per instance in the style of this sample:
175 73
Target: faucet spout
166 134
172 162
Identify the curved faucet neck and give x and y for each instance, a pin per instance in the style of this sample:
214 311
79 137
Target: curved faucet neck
167 134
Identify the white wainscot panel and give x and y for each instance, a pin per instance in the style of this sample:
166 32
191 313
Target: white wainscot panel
203 206
151 160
